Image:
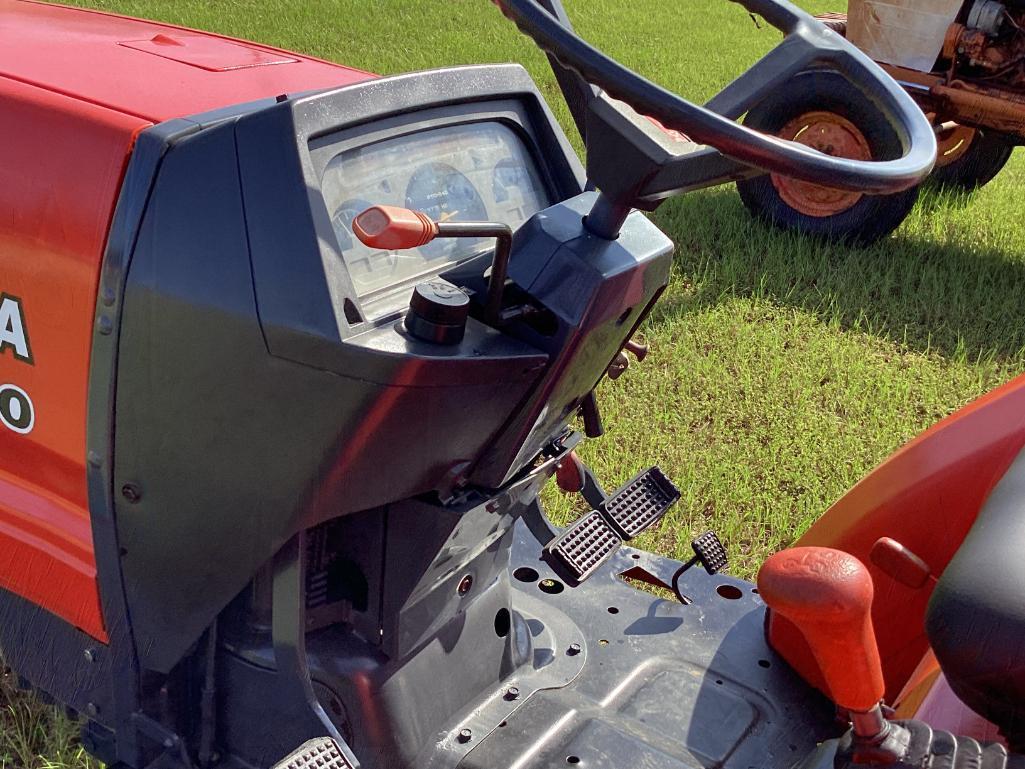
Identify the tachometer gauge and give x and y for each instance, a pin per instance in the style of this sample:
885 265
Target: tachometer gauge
444 194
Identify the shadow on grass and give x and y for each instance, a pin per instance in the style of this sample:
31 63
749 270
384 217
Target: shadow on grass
938 286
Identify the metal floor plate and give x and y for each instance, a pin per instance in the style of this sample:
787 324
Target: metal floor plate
660 683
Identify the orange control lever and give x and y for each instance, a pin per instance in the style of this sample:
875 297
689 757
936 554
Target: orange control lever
391 227
827 594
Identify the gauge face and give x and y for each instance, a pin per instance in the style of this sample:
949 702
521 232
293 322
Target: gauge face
444 194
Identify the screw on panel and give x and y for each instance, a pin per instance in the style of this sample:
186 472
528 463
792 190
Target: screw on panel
465 584
573 650
131 492
92 709
105 325
95 459
512 693
90 655
465 735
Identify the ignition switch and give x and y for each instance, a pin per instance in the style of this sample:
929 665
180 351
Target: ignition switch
438 312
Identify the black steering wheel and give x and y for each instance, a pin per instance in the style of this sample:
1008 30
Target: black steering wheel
807 43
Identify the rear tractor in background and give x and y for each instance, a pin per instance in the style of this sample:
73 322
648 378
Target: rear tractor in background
963 62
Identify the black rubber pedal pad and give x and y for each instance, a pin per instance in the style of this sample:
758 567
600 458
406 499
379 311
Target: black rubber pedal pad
582 548
319 753
640 503
710 550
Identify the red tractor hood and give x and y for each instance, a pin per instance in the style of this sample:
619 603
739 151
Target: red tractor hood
148 70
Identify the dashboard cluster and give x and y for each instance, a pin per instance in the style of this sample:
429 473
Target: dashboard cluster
466 172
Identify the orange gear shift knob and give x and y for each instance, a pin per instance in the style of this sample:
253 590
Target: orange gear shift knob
390 227
827 594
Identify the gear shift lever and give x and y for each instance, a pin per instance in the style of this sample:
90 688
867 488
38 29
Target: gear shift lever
827 594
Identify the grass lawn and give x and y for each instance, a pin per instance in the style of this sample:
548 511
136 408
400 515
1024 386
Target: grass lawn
781 370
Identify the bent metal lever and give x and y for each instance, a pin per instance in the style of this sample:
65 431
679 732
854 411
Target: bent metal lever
392 228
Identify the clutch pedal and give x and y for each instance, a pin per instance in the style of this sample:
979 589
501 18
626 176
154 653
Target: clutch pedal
638 504
582 548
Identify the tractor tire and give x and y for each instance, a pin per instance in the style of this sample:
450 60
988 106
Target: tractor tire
821 109
972 166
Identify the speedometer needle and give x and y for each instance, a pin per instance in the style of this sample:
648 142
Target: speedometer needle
447 216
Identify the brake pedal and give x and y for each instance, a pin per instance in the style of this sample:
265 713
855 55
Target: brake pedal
642 501
318 753
582 548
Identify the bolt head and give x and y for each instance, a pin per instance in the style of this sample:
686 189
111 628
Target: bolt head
573 650
131 493
92 709
90 655
465 584
465 735
512 693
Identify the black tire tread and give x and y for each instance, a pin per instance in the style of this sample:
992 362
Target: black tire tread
985 157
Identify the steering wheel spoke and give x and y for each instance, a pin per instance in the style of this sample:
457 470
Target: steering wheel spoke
784 61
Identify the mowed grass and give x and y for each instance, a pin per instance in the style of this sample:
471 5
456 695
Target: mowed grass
781 370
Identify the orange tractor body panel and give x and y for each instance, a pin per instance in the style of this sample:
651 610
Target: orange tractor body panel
70 117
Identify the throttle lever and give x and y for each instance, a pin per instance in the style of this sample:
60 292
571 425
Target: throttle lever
393 228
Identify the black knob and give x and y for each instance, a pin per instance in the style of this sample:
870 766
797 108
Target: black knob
438 312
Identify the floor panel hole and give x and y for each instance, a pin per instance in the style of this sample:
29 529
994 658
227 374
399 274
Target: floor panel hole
503 621
729 592
526 574
551 586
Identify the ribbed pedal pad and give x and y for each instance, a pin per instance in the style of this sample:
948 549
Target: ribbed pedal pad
640 503
319 753
582 548
710 551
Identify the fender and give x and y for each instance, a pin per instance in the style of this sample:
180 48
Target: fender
926 496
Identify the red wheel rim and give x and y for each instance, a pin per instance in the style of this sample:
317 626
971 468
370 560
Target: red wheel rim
831 134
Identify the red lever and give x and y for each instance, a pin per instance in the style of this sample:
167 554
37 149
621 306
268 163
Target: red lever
569 473
391 227
827 594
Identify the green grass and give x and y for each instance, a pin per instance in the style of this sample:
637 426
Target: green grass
36 735
781 370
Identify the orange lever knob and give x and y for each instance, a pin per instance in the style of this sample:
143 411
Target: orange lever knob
391 227
827 594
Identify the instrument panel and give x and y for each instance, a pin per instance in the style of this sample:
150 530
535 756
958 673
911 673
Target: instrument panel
464 172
